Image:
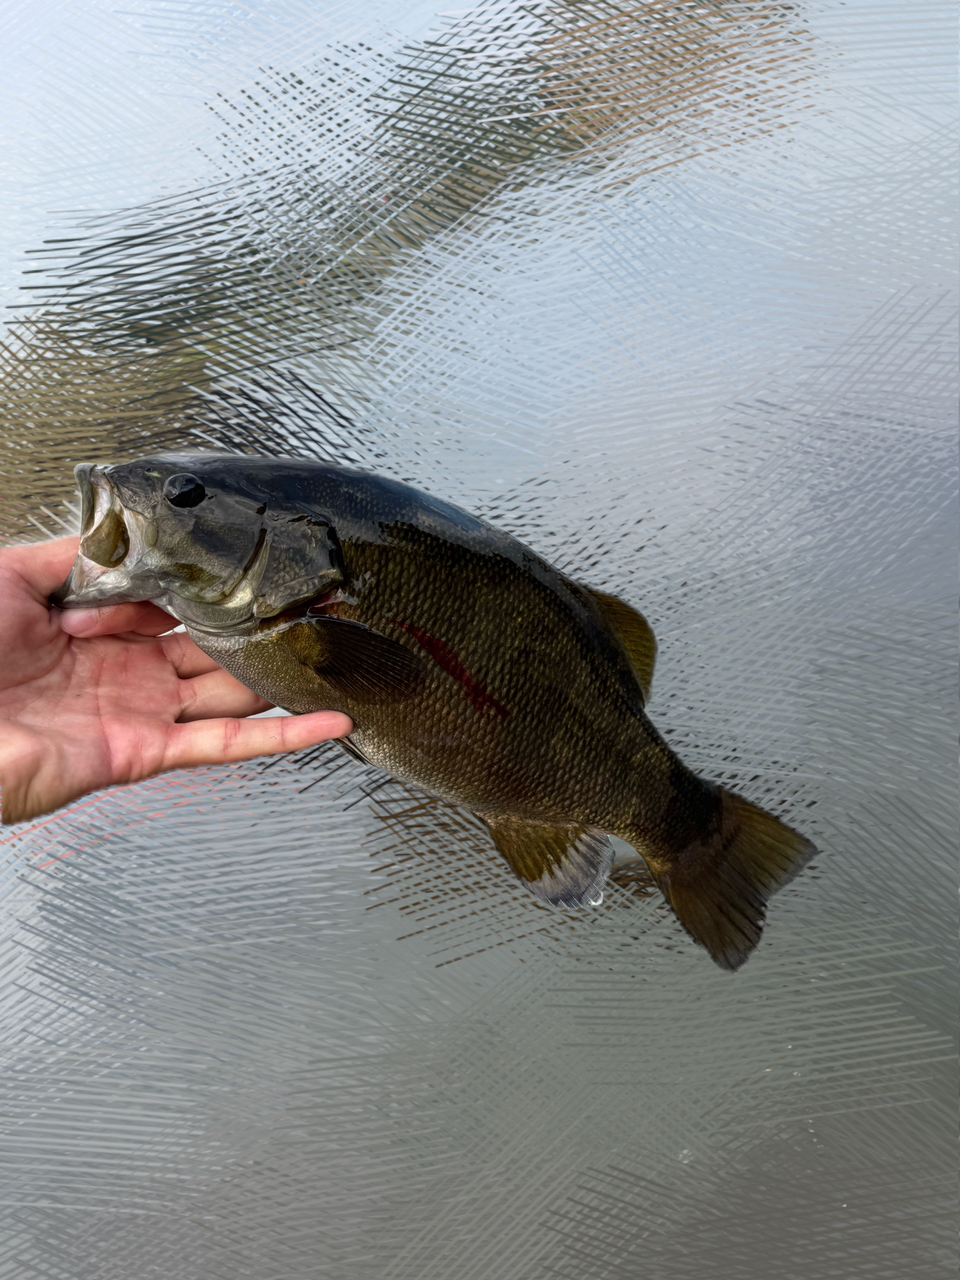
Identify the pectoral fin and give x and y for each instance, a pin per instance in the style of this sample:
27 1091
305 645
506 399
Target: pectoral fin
357 660
563 865
635 633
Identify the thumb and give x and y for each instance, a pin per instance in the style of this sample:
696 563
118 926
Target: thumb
112 619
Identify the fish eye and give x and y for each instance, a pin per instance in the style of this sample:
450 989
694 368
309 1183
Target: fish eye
183 491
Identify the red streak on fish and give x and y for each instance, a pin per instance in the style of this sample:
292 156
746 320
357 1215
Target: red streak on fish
445 658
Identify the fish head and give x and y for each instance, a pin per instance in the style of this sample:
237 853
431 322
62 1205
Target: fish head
202 535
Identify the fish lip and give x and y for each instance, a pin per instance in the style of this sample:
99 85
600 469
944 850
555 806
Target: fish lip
88 501
88 584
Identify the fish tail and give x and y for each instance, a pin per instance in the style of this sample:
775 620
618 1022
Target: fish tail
719 883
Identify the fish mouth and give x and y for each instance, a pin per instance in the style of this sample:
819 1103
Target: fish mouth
112 540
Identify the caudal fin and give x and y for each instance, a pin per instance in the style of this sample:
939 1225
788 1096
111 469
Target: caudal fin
719 885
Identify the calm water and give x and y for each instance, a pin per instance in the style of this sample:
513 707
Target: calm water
668 292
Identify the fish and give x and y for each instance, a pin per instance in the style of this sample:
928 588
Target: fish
470 667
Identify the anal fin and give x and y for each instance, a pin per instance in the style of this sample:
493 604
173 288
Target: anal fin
566 866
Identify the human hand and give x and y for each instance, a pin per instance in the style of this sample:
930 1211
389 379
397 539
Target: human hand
92 698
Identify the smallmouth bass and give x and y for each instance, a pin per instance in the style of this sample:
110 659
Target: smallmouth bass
469 666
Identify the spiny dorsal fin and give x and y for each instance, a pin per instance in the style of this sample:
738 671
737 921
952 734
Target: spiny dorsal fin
563 865
636 635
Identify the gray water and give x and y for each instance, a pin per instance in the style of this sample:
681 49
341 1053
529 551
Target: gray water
669 291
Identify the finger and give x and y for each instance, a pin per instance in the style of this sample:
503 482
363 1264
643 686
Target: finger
187 658
224 741
43 566
218 694
112 619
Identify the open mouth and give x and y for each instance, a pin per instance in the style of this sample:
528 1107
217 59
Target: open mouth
104 535
108 535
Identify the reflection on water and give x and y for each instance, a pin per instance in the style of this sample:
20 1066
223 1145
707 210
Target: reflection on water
331 181
646 287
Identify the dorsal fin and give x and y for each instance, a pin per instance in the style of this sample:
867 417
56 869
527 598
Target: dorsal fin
636 635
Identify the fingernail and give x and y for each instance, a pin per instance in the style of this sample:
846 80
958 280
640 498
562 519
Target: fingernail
79 622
